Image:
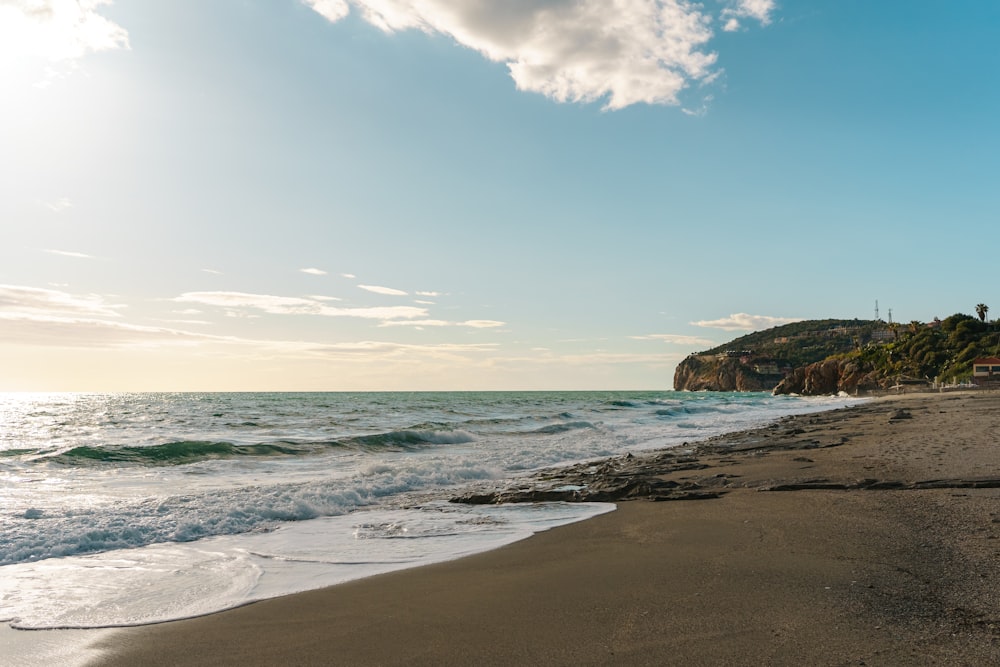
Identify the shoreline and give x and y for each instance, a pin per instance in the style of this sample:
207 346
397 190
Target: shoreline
810 541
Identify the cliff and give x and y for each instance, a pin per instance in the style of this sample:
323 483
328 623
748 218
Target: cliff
710 373
832 376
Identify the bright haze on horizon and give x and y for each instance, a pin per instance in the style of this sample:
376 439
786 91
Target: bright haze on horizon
460 194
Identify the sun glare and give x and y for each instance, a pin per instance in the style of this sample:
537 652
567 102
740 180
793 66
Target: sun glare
56 30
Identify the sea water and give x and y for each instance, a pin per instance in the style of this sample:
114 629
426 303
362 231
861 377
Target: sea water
127 509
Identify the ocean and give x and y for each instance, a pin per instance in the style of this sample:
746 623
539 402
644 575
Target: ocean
127 509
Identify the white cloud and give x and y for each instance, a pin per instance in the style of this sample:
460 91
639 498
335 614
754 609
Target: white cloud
383 290
192 322
482 324
428 293
423 302
57 30
674 339
84 332
349 276
212 271
473 324
417 323
385 346
332 10
314 272
759 10
283 305
69 253
265 302
21 301
746 322
81 332
624 52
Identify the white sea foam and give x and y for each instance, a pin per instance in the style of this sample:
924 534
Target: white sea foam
170 581
238 495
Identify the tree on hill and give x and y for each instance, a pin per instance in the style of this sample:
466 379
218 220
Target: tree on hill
981 310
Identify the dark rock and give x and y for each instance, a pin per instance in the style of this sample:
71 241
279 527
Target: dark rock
831 376
710 373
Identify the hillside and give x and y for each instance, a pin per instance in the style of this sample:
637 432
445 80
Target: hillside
823 356
801 343
760 360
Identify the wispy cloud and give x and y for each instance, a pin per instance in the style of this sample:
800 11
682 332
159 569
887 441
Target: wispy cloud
642 51
283 305
389 291
47 323
417 323
746 322
472 324
431 294
187 322
386 346
369 357
212 271
84 332
57 30
482 324
674 339
69 253
21 301
349 276
314 272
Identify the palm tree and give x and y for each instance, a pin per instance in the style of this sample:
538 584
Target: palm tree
981 310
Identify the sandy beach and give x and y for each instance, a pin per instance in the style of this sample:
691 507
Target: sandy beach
862 536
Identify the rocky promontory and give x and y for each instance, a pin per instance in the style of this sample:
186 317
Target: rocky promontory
759 361
712 373
815 357
832 376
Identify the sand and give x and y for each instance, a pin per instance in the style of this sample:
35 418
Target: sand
862 536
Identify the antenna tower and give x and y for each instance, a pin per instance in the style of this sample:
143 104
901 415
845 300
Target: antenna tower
876 310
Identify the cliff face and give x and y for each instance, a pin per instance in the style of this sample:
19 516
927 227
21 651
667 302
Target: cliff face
709 373
830 377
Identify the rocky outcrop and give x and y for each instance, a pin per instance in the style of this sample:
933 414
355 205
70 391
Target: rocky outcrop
710 373
832 376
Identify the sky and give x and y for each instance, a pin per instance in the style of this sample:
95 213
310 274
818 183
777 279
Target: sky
308 195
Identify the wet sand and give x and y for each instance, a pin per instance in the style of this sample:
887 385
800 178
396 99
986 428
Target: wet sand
868 535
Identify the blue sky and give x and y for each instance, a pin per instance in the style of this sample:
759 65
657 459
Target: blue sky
461 194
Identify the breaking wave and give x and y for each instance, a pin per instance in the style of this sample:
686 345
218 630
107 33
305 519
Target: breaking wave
192 451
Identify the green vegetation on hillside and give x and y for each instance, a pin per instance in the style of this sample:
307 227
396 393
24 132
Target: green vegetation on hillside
941 350
945 352
806 342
